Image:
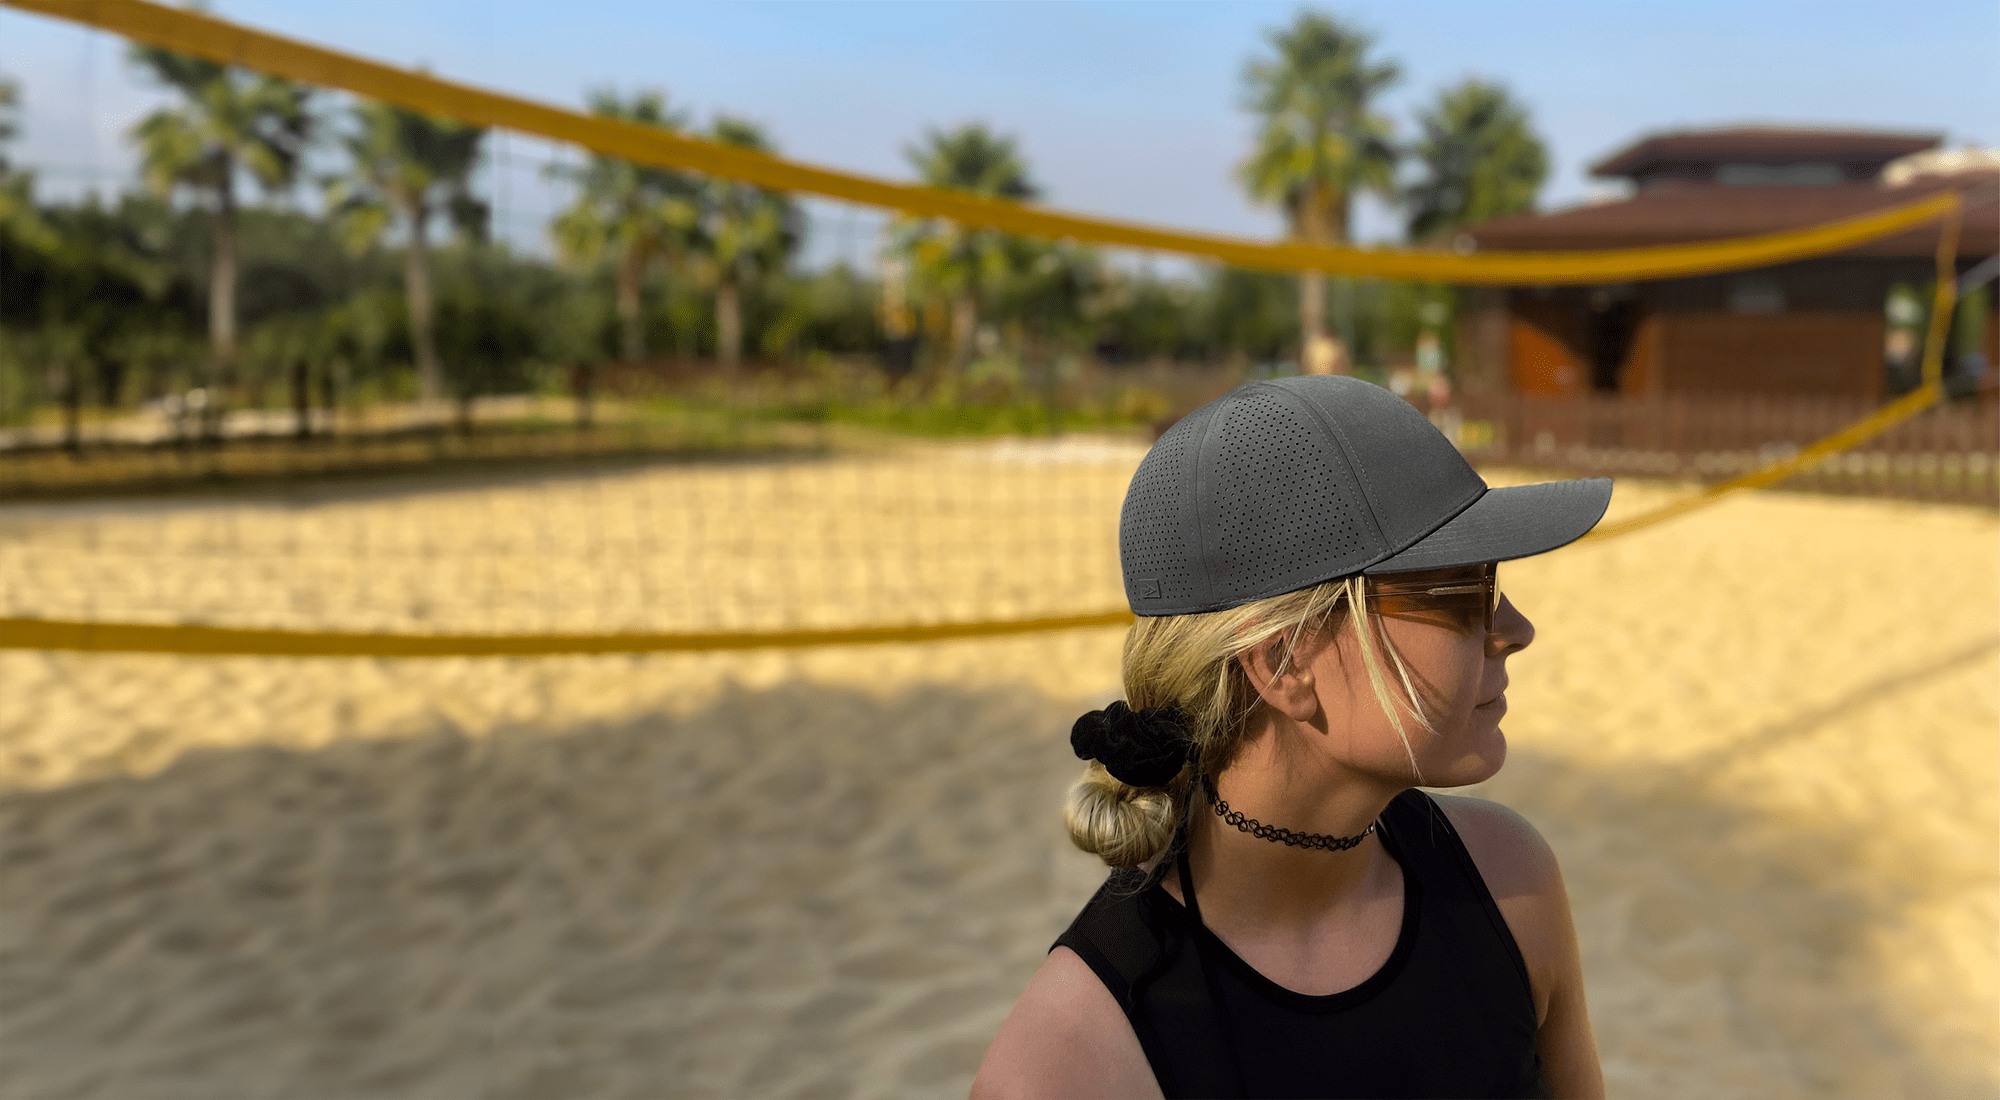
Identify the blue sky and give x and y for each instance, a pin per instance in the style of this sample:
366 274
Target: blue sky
1123 109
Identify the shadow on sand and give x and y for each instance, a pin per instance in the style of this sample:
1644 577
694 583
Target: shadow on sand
387 482
797 891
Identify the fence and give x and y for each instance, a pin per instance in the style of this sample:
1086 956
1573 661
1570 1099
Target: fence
1950 452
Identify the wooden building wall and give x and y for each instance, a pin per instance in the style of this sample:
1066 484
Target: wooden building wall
1825 354
1547 346
1814 327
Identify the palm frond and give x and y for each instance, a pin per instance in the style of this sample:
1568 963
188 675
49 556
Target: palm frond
1319 140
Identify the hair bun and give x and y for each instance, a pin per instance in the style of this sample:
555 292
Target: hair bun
1143 748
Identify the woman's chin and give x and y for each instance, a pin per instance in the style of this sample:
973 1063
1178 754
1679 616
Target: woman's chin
1477 765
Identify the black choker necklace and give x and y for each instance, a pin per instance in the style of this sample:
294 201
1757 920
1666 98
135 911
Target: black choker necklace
1262 831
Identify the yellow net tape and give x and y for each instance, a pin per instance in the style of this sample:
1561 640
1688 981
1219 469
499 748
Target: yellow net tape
225 641
218 40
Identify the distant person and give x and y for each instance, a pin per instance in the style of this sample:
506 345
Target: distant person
1288 915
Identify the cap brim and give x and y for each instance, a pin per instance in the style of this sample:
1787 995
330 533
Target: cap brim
1516 521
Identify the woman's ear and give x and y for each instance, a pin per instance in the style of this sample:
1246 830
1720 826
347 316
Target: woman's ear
1288 691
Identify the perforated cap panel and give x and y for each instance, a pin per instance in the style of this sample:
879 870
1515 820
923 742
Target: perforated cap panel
1287 510
1157 542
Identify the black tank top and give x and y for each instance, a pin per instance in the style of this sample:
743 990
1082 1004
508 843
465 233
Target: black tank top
1449 1015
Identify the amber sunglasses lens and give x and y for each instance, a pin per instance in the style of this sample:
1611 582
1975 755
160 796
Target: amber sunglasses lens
1475 605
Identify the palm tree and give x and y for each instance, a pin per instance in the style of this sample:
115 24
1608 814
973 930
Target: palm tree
19 217
409 168
1481 159
748 233
964 265
1320 143
230 121
629 212
10 122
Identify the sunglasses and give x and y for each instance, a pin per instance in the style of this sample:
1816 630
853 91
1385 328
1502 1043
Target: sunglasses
1451 592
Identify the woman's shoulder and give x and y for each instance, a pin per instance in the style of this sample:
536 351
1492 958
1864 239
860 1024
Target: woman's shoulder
1521 873
1066 1036
1510 853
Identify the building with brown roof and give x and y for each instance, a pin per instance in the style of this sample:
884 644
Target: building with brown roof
1816 326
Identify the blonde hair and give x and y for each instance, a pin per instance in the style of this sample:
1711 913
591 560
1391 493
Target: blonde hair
1191 663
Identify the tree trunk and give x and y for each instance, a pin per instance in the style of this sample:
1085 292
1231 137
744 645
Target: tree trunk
728 325
964 329
1343 323
629 270
72 399
110 382
301 399
417 281
1310 225
1311 228
1343 290
329 393
1313 341
1044 348
221 306
222 279
583 384
1319 222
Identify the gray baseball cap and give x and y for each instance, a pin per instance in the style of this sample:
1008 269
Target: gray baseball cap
1278 485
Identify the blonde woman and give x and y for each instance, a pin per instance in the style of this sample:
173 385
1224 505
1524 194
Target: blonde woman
1321 630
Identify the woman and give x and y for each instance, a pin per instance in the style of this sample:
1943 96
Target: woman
1320 630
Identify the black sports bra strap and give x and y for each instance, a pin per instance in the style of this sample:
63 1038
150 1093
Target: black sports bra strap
1188 901
1215 994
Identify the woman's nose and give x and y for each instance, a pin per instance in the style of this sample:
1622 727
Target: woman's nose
1511 629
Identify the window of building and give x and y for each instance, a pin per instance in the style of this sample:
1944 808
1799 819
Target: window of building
1756 294
1814 174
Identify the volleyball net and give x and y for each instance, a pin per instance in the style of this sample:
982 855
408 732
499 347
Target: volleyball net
903 541
906 543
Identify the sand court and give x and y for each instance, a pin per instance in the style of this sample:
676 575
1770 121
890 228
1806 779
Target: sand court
1761 738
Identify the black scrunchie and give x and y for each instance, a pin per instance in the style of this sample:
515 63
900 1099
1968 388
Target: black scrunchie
1143 748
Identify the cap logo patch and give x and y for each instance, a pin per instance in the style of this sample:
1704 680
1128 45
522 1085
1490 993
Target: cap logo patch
1149 588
